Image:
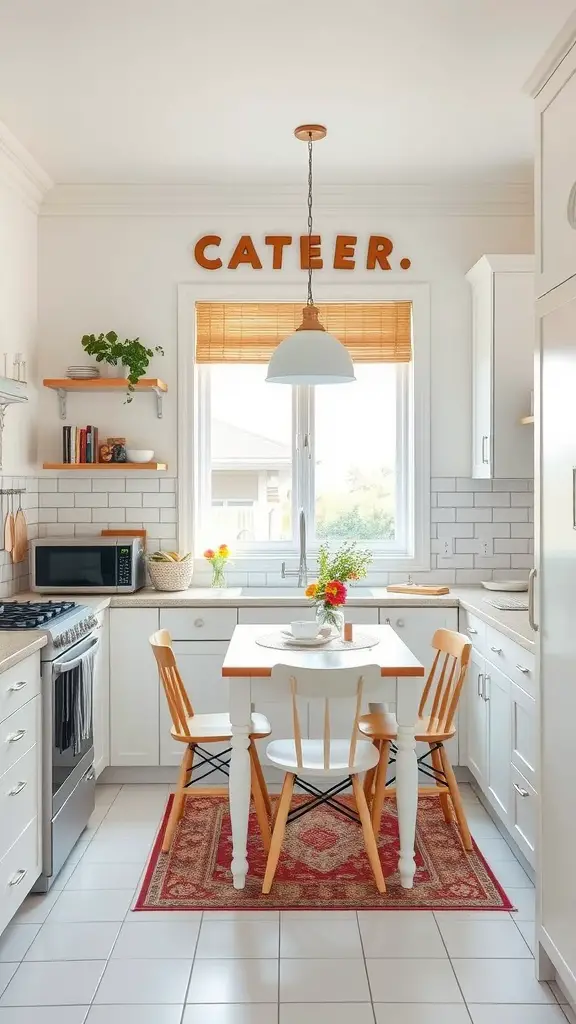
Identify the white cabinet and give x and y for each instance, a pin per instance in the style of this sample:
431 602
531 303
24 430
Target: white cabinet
477 732
20 784
502 365
101 695
134 688
497 699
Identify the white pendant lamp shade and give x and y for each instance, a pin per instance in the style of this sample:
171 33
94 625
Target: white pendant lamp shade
310 357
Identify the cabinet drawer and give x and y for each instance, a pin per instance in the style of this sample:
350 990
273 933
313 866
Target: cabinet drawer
512 659
524 815
199 623
19 797
276 616
19 869
475 628
523 725
18 685
18 733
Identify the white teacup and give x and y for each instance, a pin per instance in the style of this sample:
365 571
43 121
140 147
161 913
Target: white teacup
304 630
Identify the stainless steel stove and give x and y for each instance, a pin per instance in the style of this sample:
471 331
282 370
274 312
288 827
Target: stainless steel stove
68 779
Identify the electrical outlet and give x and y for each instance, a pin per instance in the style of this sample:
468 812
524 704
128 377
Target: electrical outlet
448 548
485 547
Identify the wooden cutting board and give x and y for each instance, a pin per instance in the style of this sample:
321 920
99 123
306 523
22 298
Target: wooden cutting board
20 535
411 588
9 530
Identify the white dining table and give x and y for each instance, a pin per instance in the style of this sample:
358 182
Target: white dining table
248 666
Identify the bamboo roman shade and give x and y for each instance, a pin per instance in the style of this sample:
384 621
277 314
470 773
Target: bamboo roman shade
248 332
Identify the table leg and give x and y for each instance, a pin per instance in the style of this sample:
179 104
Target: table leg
240 716
408 697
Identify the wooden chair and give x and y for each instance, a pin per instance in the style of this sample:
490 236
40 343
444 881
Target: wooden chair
441 693
197 731
303 759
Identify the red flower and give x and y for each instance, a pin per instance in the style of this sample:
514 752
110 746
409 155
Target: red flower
335 592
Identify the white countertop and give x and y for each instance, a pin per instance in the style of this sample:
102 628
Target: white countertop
513 624
16 645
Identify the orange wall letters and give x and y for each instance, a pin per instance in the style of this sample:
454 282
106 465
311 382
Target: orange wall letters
378 253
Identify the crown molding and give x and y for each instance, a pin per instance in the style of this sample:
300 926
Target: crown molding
553 57
489 200
19 170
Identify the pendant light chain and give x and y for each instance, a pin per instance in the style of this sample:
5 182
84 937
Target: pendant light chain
309 300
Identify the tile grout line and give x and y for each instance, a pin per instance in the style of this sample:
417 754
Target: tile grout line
453 969
365 967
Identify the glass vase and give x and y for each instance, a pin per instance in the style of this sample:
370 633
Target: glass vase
218 577
328 615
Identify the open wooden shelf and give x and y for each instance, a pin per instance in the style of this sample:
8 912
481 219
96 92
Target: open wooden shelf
99 385
526 419
156 467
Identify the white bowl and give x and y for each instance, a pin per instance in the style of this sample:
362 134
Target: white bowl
304 630
139 455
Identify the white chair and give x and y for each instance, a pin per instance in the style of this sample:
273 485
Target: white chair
326 757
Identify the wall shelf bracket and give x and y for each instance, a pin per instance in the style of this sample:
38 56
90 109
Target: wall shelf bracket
62 402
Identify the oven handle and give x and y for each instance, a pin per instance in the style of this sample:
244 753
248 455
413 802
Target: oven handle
60 667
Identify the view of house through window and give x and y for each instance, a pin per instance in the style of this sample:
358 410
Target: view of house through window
266 450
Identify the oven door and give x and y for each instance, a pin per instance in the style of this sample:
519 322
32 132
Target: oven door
75 568
71 739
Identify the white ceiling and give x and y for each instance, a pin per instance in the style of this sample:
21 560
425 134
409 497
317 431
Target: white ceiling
210 90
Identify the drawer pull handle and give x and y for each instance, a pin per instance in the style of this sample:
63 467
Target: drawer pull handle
521 792
17 736
497 650
17 788
387 622
198 623
18 877
17 686
480 684
471 630
522 668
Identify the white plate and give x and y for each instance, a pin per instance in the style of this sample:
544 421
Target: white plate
317 641
506 586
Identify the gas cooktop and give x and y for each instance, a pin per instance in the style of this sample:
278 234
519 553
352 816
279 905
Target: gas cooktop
32 614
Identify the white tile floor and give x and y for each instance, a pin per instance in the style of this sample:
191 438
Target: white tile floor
79 955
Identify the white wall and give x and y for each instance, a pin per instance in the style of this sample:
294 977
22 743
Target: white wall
101 270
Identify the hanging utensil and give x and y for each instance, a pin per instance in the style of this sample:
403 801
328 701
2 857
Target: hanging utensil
20 549
9 526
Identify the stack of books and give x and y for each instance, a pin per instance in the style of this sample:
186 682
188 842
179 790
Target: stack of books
79 444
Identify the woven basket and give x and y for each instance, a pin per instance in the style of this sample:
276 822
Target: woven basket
171 575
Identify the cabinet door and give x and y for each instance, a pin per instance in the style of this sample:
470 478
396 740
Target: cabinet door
134 690
556 242
200 665
523 815
513 375
477 733
523 732
416 627
497 695
101 696
482 357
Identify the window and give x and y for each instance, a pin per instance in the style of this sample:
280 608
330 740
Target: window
345 454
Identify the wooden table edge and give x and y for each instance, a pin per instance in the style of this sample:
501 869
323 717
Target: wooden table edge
265 673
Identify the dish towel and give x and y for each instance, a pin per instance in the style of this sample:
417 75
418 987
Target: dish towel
73 706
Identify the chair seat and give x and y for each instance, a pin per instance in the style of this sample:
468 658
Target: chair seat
282 754
378 726
217 726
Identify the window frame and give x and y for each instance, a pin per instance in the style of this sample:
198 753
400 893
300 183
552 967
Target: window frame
413 423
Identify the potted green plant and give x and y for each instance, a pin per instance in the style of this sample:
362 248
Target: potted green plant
130 354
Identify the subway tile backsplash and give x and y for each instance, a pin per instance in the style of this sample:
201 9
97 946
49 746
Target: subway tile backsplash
15 576
479 529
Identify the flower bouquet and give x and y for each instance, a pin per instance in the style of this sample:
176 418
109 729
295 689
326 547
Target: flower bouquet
334 571
218 561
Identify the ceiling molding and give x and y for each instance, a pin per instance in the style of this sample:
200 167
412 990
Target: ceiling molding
489 200
19 170
554 55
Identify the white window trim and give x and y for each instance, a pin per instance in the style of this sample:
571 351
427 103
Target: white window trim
190 392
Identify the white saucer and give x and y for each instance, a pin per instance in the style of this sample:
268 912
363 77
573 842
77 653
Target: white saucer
315 641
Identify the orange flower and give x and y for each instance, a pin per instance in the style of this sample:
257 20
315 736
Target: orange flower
209 554
335 592
224 551
311 590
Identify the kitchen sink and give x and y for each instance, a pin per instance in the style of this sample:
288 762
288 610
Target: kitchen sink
296 592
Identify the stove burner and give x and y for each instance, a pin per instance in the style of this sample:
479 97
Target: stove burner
31 614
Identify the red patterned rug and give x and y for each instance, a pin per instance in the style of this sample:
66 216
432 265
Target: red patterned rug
322 865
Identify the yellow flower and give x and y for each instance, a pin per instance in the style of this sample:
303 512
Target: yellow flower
311 590
224 551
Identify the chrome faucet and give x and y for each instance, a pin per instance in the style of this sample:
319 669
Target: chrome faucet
302 571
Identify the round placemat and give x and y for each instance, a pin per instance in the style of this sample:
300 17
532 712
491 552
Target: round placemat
360 642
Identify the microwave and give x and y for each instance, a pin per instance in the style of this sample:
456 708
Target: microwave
82 565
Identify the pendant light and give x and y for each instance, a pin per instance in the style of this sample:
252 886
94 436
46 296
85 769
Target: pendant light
310 355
